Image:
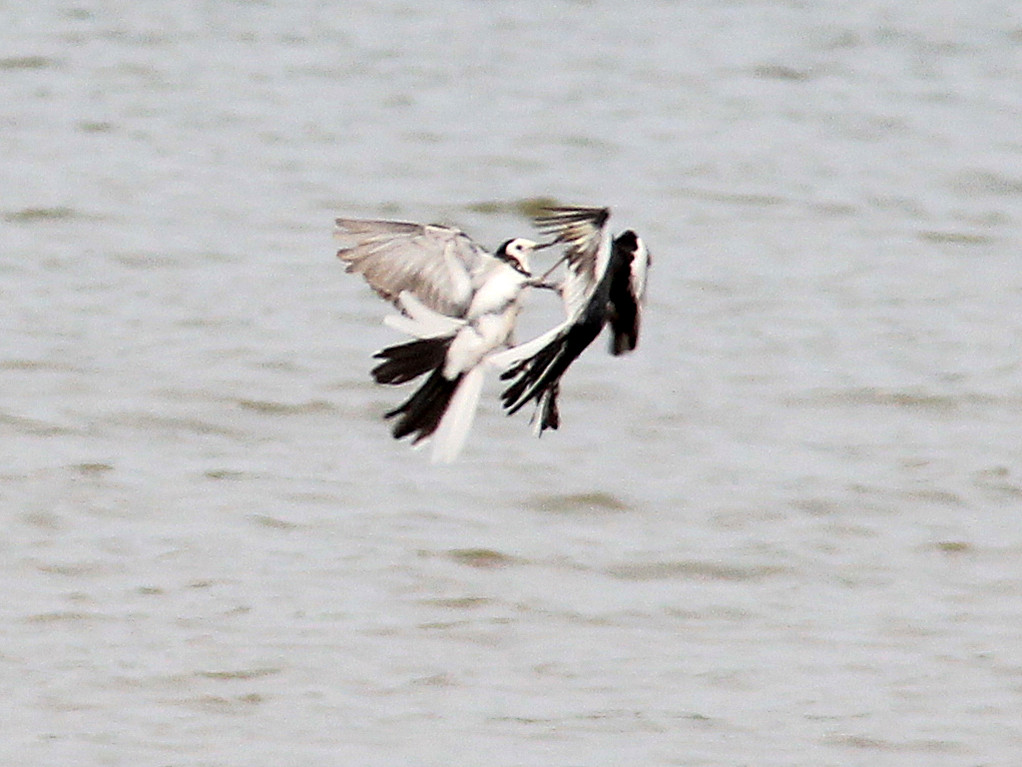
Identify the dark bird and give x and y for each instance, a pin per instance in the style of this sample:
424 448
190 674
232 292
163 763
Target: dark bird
604 283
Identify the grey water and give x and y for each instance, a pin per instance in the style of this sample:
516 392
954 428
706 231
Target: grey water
786 531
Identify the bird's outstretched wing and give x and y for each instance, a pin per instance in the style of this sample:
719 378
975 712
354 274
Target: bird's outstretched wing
584 233
436 264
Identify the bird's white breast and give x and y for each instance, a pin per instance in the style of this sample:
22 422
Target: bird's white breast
486 330
501 287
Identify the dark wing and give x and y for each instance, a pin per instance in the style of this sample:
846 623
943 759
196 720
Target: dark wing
420 414
406 362
436 264
538 376
627 289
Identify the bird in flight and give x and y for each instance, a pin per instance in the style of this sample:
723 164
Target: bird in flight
604 283
460 303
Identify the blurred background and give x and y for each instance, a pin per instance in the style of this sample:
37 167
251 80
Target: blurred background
786 531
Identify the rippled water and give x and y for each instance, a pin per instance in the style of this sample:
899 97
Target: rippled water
785 532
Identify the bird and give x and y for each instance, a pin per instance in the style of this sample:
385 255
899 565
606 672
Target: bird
458 300
604 284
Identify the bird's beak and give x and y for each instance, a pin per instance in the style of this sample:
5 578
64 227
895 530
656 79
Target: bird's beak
544 245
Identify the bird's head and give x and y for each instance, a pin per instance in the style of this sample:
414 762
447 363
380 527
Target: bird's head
632 247
628 241
516 254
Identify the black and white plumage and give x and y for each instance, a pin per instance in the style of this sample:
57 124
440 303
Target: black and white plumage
458 300
604 283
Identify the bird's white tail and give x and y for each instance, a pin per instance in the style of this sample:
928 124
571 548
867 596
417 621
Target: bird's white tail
454 427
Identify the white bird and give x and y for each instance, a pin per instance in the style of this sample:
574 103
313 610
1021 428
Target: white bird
459 301
604 282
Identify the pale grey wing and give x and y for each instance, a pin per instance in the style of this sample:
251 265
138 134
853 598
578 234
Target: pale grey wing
436 264
584 232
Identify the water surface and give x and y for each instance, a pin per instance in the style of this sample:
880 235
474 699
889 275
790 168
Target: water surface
784 532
